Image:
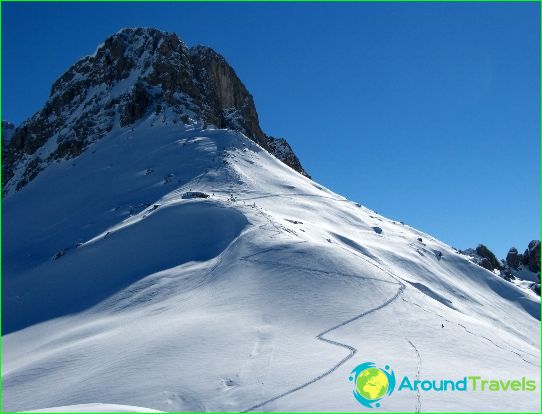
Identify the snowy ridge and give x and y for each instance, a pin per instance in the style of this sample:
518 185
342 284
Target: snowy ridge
131 288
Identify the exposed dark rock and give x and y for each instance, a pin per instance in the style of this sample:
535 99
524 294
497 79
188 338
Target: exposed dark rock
377 230
135 107
59 254
294 221
525 257
282 150
514 267
194 194
68 149
486 264
32 170
512 258
8 129
484 252
228 102
533 256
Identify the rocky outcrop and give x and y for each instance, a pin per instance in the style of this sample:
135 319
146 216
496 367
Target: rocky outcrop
230 105
134 72
280 148
491 262
227 102
513 258
136 105
8 129
531 257
520 269
7 133
486 264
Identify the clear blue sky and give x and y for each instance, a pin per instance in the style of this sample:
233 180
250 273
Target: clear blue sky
427 113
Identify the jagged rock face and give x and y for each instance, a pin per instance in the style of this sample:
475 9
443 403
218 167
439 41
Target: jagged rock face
512 258
532 256
491 261
514 267
486 264
135 71
8 129
229 104
280 148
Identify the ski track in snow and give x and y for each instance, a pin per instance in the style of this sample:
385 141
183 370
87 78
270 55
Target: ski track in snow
351 350
418 370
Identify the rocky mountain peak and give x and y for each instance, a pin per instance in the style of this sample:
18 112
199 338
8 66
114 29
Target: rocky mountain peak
133 73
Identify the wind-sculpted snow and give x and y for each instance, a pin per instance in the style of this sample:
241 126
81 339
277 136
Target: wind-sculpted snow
262 296
159 238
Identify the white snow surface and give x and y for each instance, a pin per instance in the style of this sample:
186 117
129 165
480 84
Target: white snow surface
263 296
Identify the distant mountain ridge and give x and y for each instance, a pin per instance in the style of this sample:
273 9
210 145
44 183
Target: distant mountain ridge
132 73
522 270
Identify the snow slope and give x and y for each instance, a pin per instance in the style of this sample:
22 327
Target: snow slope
261 297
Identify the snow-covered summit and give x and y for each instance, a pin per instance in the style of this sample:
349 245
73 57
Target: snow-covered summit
134 72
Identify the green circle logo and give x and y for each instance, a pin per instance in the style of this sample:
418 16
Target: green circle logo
372 383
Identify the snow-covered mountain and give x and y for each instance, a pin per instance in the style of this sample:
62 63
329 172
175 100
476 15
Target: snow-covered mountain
157 254
133 72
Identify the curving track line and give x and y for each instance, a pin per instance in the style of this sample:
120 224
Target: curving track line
351 350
